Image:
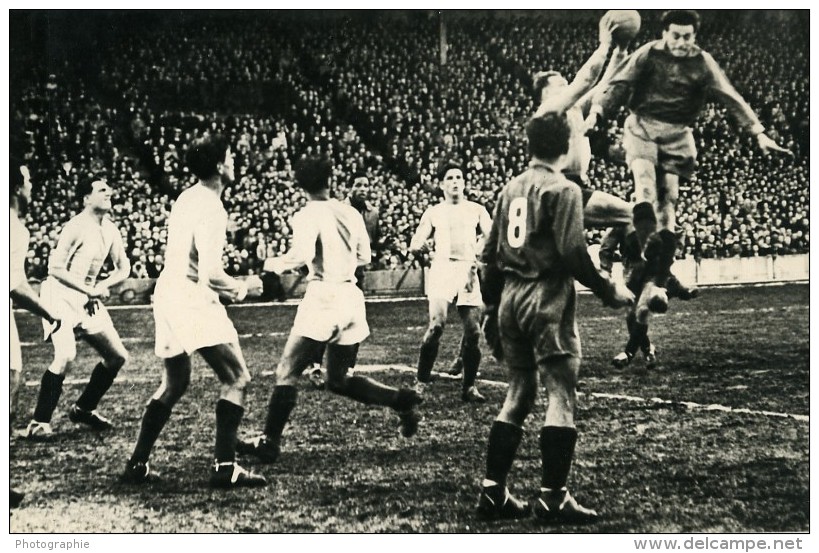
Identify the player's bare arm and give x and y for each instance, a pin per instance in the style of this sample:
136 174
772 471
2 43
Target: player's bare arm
418 243
584 80
25 297
618 56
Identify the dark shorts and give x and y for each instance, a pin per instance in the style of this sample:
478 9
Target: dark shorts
667 146
537 321
585 191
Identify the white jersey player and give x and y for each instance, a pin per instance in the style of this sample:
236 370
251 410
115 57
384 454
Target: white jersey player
19 288
189 318
455 226
74 294
330 238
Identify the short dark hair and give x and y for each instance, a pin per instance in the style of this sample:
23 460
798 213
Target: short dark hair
86 185
548 136
359 174
541 81
447 164
313 174
205 154
681 17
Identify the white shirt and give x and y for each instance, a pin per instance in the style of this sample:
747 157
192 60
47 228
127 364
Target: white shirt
454 227
330 238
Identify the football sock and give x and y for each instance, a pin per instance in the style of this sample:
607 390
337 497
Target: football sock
504 439
51 388
637 335
471 355
659 254
318 358
282 402
645 222
367 391
557 451
153 421
228 417
101 379
426 359
355 355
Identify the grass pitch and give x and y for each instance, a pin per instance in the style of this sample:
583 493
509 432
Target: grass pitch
722 447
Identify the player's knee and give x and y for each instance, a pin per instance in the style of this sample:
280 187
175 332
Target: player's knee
434 333
117 360
62 361
472 336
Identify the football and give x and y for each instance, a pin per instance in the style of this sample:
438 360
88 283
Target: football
626 25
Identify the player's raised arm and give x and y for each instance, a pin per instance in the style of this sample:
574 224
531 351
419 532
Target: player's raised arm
618 55
722 89
584 80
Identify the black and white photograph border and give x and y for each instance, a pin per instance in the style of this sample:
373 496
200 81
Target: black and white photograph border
702 435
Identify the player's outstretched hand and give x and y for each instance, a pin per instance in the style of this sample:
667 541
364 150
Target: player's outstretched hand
605 29
620 297
768 145
491 331
255 287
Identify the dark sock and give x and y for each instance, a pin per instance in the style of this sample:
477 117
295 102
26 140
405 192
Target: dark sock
557 451
426 359
367 391
472 360
153 421
101 379
282 402
645 345
51 388
504 439
659 253
318 358
355 355
228 417
645 222
637 334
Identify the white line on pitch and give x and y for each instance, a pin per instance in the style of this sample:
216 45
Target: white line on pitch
614 316
407 369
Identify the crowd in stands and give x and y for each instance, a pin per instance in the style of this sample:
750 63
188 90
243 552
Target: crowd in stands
370 91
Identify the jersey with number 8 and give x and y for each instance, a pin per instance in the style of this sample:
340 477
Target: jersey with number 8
538 218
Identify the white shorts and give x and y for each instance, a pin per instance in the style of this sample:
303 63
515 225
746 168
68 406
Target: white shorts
332 312
69 306
456 282
15 354
183 327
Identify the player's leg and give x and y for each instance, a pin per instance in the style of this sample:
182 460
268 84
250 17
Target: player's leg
505 436
51 384
114 356
229 365
15 368
438 308
644 212
457 366
175 381
471 320
296 357
557 443
606 210
316 373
